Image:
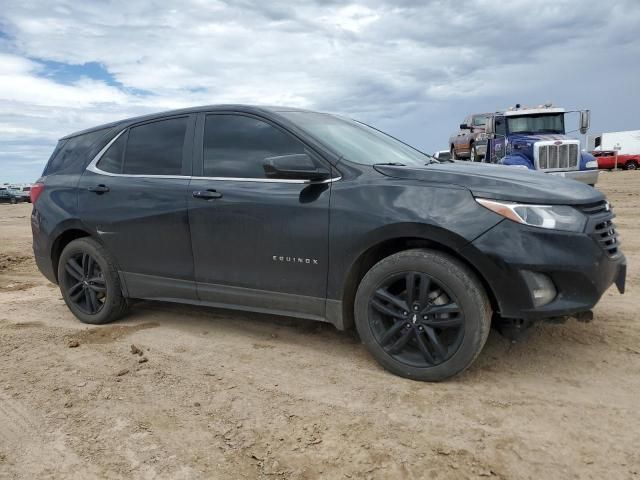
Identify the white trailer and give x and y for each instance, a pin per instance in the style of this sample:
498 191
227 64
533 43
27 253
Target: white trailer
625 143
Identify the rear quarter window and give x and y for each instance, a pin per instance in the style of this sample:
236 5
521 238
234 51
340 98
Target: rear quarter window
73 154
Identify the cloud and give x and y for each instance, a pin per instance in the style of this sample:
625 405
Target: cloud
415 68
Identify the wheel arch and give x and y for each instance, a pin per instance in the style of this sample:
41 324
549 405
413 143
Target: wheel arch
66 236
389 246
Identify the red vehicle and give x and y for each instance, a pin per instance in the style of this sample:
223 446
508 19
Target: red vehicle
609 159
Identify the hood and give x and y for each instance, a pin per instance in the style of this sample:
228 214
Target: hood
500 182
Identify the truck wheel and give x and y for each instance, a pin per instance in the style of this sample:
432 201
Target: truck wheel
632 165
452 153
422 314
89 282
473 155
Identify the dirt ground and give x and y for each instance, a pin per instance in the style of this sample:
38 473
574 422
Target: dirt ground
220 394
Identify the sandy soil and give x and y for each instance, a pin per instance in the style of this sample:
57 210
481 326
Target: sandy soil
231 395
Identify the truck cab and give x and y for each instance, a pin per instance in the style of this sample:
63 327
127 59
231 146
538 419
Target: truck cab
535 138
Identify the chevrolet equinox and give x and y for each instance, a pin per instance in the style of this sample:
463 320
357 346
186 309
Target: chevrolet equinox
312 215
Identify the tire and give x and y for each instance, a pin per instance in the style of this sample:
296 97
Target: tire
13 201
442 275
89 281
631 165
452 153
473 154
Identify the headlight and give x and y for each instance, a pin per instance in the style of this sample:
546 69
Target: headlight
556 217
591 164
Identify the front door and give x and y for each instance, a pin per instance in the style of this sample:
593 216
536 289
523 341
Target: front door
258 242
135 199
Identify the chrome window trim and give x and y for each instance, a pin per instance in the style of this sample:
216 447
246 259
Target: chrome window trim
92 167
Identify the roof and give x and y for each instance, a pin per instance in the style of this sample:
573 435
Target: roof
184 111
533 111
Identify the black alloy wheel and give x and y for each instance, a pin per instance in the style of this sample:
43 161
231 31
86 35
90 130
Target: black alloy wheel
84 283
416 319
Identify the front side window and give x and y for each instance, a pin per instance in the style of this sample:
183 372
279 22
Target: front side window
236 146
501 129
156 148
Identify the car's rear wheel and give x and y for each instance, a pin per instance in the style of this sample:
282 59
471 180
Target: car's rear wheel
13 200
422 314
631 165
89 282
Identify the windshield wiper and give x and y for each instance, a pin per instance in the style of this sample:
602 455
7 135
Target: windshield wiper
391 164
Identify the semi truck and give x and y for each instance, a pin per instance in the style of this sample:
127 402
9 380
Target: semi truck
536 138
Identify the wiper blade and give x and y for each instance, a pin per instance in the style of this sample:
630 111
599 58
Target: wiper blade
392 164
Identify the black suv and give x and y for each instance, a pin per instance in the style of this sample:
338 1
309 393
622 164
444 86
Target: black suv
312 215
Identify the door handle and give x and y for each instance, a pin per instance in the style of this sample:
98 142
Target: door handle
99 189
207 194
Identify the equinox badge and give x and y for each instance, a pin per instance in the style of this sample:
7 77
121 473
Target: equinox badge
310 261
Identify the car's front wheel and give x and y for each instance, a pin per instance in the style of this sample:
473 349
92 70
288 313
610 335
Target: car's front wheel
473 154
422 314
89 282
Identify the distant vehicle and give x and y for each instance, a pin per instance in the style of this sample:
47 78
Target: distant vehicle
24 192
610 160
625 143
442 155
470 142
11 196
536 138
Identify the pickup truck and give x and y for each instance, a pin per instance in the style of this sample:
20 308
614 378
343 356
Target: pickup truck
610 159
470 142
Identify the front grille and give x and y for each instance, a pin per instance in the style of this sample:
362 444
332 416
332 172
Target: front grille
601 226
558 157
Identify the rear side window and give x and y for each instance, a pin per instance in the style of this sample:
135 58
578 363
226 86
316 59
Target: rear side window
72 155
111 160
156 148
236 146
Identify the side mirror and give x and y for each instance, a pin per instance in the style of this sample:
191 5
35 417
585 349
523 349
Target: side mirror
464 126
585 121
298 166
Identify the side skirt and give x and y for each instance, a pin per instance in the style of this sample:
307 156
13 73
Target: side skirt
150 287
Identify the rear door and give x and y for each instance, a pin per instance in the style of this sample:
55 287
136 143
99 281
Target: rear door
258 242
134 196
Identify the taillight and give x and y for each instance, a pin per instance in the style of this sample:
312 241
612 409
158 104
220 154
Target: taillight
36 190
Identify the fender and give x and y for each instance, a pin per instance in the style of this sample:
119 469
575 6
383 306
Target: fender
588 161
515 159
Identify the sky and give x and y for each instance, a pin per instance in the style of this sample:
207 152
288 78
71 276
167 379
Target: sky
413 69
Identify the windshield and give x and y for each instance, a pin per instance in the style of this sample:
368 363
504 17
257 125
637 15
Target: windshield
355 141
479 121
543 123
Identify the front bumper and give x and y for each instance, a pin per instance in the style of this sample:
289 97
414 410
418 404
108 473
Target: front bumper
580 269
590 177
